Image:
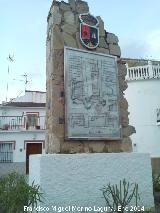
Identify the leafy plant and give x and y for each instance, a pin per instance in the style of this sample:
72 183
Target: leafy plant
15 193
121 195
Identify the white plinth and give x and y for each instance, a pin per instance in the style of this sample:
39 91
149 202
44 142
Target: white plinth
77 179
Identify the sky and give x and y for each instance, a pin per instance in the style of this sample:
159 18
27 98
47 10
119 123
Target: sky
23 27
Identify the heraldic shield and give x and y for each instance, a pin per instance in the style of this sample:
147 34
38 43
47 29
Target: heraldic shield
89 33
89 36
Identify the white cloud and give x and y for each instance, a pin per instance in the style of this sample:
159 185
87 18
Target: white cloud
153 40
146 47
132 48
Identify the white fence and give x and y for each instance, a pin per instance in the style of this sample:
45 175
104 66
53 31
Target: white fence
143 72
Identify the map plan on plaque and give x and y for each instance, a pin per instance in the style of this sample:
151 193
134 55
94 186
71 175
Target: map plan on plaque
91 96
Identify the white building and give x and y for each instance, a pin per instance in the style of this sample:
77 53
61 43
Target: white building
22 131
143 95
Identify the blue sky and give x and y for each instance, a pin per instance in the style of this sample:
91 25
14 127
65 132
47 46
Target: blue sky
23 33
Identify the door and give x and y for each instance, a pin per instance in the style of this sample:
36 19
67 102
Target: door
32 149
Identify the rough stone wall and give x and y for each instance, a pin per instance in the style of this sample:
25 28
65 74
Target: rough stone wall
63 30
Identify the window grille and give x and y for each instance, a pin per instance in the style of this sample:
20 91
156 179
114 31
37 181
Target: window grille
6 152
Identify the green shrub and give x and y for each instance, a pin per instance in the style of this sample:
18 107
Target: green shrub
15 193
121 195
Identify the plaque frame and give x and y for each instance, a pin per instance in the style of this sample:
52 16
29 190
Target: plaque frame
66 136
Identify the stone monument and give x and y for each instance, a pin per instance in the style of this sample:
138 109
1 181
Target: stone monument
87 116
67 25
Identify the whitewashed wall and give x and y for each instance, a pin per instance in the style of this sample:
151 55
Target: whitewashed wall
32 96
77 179
22 136
18 111
143 98
19 154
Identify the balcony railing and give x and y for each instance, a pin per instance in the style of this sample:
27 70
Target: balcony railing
21 123
143 72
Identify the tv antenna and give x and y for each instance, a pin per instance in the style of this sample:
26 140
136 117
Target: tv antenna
10 59
25 80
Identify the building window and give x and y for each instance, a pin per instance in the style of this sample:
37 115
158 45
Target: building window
6 152
32 121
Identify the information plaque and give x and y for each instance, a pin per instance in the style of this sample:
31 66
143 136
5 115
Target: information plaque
91 96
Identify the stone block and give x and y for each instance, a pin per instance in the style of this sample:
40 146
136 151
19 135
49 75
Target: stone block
122 69
126 145
114 50
111 38
102 50
122 84
96 147
72 4
101 26
102 43
124 120
114 146
69 28
64 6
77 21
57 38
69 17
54 9
79 44
56 18
48 17
71 148
53 147
69 40
123 103
82 7
49 34
128 131
50 23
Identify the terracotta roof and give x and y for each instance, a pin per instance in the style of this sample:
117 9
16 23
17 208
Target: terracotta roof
24 104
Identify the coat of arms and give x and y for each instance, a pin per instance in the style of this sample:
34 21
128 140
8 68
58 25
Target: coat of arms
89 32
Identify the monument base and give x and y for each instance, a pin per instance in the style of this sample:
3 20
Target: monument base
76 179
